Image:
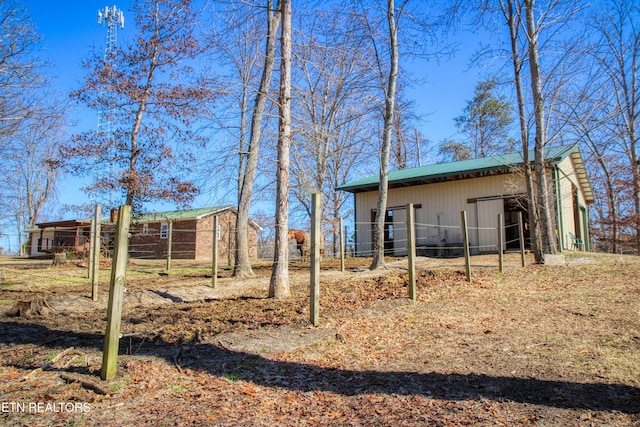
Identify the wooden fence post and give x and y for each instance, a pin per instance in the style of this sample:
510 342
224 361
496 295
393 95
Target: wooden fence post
92 238
230 248
170 246
521 233
116 295
214 253
411 252
95 252
341 246
316 207
500 243
351 254
465 240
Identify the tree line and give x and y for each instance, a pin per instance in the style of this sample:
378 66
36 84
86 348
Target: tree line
274 101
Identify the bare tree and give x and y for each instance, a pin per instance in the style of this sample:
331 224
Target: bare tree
618 57
247 168
346 157
156 112
389 106
513 16
420 23
31 124
529 27
589 118
279 284
533 30
20 68
31 174
238 51
333 102
408 142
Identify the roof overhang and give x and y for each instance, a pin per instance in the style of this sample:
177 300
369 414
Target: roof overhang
583 178
71 223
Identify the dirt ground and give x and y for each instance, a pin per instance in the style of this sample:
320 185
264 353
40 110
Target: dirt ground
541 345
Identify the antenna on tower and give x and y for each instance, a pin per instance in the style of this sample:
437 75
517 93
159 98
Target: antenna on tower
112 18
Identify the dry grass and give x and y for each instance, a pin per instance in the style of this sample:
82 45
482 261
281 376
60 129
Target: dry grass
535 346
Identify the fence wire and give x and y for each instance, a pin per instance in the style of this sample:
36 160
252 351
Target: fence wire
435 240
167 242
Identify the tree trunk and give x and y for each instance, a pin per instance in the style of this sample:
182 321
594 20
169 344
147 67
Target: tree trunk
336 226
536 239
636 196
133 181
613 207
546 222
635 162
242 267
390 96
279 285
21 233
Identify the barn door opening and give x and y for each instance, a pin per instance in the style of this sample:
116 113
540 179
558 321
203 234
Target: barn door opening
388 230
577 230
487 211
512 206
389 234
585 226
395 230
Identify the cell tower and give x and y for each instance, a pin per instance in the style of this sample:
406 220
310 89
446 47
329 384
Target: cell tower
111 18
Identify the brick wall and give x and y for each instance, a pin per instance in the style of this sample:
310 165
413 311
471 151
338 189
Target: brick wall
191 239
226 223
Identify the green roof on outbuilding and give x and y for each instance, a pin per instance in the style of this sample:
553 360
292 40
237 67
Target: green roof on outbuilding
179 214
468 168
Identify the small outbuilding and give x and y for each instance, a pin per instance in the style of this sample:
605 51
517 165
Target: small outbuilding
190 232
483 188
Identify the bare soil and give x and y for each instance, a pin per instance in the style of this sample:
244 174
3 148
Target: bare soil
538 345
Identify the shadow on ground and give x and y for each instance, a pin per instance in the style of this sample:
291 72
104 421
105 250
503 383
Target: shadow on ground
220 361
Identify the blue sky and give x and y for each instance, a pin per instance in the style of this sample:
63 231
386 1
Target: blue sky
70 30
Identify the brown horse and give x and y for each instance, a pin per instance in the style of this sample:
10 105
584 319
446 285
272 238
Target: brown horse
303 242
301 238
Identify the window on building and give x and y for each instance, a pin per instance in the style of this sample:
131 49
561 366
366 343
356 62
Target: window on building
164 231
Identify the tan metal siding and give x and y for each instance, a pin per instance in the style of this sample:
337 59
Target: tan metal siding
441 205
569 180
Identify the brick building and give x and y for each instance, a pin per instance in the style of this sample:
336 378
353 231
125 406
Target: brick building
190 232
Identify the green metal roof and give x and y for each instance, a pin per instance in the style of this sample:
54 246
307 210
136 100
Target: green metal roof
467 169
180 214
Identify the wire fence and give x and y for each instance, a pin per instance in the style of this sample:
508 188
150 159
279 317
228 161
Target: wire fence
437 240
173 241
146 242
188 242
